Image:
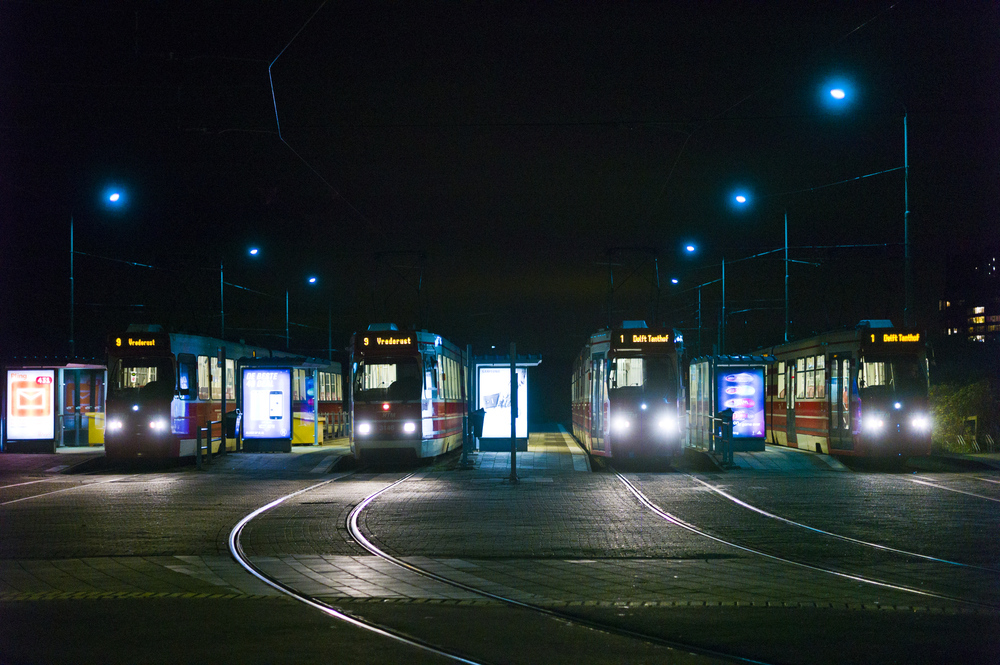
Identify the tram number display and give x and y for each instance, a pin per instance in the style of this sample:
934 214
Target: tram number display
741 389
30 397
267 403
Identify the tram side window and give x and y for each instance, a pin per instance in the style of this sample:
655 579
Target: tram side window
810 377
203 378
216 378
187 376
230 379
821 377
781 380
800 382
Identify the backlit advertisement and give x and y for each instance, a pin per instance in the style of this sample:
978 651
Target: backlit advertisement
30 395
494 397
267 403
742 390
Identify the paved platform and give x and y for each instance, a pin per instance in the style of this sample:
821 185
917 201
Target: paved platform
549 452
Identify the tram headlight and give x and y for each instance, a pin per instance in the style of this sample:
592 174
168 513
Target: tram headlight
409 428
621 424
920 422
364 428
158 425
873 423
667 423
114 425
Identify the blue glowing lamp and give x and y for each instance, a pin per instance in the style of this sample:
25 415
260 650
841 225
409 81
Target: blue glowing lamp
674 280
689 249
312 280
254 251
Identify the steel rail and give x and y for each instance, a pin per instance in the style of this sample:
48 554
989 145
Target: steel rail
673 519
355 531
236 549
856 541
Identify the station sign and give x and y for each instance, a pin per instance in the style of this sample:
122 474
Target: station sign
267 403
30 404
494 398
741 389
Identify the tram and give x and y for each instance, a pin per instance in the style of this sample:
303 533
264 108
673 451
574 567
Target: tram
408 397
163 386
861 393
627 393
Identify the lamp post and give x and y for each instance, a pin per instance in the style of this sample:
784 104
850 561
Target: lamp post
840 96
114 198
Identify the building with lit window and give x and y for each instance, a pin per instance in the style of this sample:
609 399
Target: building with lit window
971 308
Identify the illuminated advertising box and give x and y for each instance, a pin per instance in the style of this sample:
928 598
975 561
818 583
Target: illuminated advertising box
494 397
741 389
267 403
30 404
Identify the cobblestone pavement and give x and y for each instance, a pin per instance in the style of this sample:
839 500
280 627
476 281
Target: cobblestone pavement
561 537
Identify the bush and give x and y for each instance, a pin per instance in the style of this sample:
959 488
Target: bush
952 405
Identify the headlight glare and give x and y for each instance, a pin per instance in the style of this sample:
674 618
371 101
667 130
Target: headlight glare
620 423
921 423
364 428
873 423
409 428
114 425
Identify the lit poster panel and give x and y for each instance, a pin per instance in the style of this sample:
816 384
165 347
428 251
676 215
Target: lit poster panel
742 390
267 403
494 397
30 414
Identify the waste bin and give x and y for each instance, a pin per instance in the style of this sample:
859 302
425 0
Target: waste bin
233 420
478 418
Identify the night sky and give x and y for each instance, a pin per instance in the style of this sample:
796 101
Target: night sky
491 154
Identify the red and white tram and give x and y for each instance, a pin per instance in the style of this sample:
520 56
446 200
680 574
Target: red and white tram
627 393
163 386
861 392
408 397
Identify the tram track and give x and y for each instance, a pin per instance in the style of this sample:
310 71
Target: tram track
354 529
647 503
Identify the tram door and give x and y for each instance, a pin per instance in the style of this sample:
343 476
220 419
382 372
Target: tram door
840 402
790 394
598 397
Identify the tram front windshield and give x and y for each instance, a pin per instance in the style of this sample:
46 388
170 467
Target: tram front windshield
892 374
141 378
384 379
654 376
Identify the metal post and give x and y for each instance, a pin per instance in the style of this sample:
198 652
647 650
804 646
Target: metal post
222 367
72 339
197 449
469 438
222 302
315 406
786 275
287 338
722 325
907 264
513 412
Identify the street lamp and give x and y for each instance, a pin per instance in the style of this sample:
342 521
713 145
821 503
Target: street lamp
115 198
840 96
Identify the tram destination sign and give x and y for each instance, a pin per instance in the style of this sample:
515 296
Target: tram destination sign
642 338
893 338
388 342
139 343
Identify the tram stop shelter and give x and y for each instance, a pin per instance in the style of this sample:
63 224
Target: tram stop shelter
52 402
275 408
495 393
738 383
